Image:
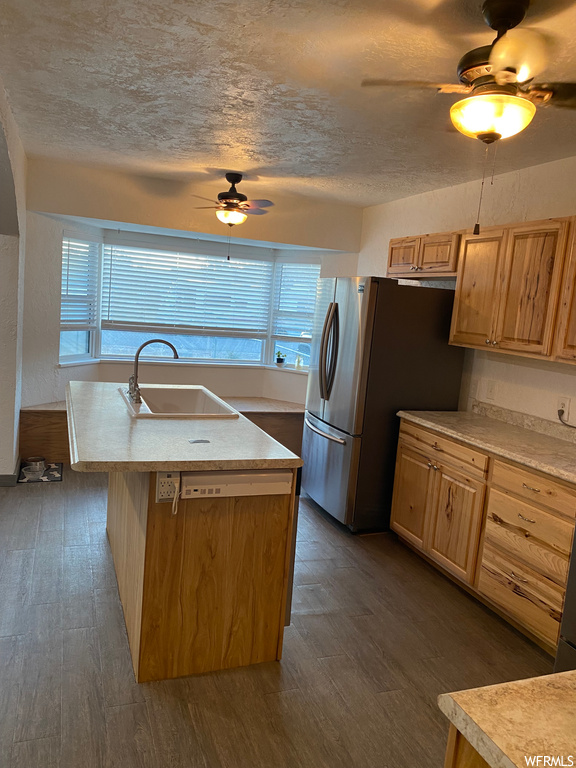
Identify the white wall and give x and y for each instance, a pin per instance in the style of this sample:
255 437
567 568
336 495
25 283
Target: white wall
12 252
543 191
539 192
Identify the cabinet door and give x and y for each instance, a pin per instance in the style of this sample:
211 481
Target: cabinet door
565 334
453 534
438 254
533 268
478 289
402 255
413 483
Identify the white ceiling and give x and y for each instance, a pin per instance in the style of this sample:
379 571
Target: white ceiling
193 88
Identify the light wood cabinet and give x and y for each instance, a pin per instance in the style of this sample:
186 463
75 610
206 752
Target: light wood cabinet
412 491
403 256
460 753
424 256
508 287
437 507
478 289
455 521
509 539
527 544
565 334
533 269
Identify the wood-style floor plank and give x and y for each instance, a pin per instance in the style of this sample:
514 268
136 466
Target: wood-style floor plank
376 635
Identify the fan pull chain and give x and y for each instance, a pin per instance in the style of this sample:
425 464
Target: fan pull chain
229 237
494 163
477 225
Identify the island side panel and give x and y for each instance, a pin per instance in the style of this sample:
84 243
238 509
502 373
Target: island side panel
126 527
214 584
460 753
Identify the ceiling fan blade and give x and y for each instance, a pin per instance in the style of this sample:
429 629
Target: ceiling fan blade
206 207
199 197
440 87
254 211
260 203
519 55
563 94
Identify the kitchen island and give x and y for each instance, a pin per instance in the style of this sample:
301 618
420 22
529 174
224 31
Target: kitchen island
514 724
205 588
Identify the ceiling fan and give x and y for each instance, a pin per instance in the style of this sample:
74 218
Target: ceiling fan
497 79
232 207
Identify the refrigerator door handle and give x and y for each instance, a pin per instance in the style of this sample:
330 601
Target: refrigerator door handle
322 375
335 334
324 434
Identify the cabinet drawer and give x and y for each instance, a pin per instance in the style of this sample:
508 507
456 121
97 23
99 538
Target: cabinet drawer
440 448
537 489
533 600
533 535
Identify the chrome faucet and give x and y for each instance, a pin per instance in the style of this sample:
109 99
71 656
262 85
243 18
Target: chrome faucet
133 388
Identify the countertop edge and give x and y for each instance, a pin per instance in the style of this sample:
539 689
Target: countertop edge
473 733
483 445
74 462
184 466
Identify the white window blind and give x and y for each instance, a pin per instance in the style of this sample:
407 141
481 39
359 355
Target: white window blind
79 284
158 290
295 299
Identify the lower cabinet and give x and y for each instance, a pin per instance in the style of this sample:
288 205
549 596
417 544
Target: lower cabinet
455 522
438 508
510 538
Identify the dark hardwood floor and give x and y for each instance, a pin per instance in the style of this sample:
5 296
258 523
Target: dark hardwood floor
376 635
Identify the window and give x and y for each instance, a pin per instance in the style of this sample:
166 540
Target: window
79 297
210 308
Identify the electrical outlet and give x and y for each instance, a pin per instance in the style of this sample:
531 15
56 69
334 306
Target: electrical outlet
564 405
490 389
165 485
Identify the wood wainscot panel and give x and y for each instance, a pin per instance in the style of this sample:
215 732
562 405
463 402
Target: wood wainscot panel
287 428
44 433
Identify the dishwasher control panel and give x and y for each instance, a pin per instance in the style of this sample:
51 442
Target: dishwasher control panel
271 482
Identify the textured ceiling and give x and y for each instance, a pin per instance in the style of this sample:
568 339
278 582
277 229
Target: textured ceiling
269 87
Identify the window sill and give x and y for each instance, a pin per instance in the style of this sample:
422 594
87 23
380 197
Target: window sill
192 363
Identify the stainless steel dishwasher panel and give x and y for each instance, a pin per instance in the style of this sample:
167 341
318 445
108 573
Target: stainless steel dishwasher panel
330 468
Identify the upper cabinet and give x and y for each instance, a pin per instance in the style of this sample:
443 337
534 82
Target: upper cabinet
424 256
565 335
508 286
478 290
533 270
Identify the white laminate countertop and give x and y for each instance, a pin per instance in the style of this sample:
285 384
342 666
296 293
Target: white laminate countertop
507 723
532 449
105 438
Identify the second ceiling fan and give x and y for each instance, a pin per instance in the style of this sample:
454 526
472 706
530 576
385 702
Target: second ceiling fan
497 79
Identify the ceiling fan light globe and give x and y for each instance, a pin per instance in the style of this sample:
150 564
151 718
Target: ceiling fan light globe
492 113
231 217
523 51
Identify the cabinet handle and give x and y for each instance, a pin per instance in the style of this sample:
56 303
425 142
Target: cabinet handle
526 519
518 578
429 465
487 341
494 343
436 446
528 488
435 468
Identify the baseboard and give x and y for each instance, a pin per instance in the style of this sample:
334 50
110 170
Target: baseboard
7 480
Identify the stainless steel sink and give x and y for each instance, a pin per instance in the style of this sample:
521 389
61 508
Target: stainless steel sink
178 402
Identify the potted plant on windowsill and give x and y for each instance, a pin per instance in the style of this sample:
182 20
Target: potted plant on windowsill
280 358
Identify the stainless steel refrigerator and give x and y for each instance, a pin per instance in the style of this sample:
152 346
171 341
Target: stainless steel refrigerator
377 347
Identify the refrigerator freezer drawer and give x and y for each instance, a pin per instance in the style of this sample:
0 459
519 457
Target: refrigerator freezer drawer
330 468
